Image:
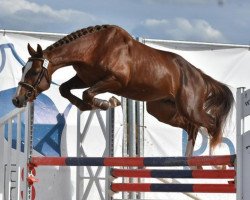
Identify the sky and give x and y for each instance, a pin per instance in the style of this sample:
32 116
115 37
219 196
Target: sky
220 21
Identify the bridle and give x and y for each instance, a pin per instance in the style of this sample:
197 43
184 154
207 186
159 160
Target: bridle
44 72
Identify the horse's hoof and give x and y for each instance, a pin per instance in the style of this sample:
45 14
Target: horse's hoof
114 102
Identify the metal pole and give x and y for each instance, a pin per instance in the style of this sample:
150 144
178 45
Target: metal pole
18 153
110 128
2 163
125 139
132 137
131 128
8 167
140 137
240 130
79 182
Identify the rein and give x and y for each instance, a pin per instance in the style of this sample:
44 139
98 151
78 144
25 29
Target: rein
32 88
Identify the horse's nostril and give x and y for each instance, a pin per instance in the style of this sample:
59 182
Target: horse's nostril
16 102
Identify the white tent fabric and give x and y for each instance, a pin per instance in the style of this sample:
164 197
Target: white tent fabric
226 63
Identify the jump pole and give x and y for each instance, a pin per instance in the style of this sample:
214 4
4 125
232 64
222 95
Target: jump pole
154 187
201 174
134 161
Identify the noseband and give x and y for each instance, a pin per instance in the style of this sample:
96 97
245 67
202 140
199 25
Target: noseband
32 88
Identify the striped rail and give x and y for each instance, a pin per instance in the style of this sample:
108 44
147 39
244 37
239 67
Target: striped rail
198 188
201 174
134 161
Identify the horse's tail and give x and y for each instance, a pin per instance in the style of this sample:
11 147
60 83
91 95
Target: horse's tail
219 104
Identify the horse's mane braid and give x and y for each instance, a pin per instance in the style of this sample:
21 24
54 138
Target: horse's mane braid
77 34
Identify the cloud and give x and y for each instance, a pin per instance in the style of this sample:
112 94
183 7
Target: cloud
179 29
219 2
26 15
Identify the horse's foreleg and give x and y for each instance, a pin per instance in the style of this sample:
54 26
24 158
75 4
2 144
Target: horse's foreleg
74 83
109 84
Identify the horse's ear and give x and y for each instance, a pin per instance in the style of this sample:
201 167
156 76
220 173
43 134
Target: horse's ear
31 50
39 50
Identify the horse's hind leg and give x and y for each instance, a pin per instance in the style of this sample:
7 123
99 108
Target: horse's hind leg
192 131
74 83
166 112
109 84
190 103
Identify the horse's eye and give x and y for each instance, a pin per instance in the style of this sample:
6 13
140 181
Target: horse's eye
34 73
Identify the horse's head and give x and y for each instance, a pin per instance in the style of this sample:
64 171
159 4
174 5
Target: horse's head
35 78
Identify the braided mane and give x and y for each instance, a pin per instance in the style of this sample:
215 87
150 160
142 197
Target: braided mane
77 34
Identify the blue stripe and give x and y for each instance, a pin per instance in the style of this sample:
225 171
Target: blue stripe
12 48
163 161
171 174
171 188
92 161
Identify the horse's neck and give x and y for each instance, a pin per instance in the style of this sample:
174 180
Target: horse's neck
64 56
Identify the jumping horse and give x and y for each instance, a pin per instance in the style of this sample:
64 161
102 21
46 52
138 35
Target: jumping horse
107 59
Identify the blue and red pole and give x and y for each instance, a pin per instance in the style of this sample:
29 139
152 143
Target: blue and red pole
198 188
134 161
147 173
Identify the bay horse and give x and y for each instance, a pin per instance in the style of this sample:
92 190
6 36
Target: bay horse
107 59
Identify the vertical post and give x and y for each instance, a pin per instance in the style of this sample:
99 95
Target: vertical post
18 153
125 138
79 182
131 137
131 128
110 128
29 144
125 127
140 128
9 161
239 130
2 139
139 106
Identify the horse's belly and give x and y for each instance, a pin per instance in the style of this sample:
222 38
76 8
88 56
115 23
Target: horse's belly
144 93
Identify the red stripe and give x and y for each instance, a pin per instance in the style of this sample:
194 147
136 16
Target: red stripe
214 188
56 161
120 161
209 160
131 173
123 187
214 174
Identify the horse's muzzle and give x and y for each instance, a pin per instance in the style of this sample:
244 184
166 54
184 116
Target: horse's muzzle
19 101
